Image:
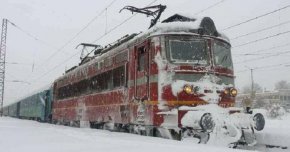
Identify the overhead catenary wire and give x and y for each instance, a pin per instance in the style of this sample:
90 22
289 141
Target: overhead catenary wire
31 35
17 81
261 30
17 63
266 66
271 48
253 54
264 57
256 54
115 27
255 18
10 75
108 32
118 25
209 7
78 33
264 38
75 36
266 49
55 67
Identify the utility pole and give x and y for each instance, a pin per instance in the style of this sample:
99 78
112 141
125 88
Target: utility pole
2 62
252 85
252 95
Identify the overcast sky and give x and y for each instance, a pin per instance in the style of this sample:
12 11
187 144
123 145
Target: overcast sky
55 22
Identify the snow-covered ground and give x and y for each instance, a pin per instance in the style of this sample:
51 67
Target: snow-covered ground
276 132
30 136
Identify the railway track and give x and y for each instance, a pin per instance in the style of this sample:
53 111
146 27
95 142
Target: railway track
265 148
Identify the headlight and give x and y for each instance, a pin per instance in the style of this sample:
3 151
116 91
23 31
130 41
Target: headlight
188 89
233 92
226 92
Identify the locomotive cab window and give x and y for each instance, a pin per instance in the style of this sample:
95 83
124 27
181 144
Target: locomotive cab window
187 50
222 54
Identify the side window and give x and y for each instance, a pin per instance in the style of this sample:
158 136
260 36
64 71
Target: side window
68 91
83 86
95 83
59 93
119 76
109 78
141 58
103 81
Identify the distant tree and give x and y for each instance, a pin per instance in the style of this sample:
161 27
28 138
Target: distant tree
275 111
282 85
259 103
247 89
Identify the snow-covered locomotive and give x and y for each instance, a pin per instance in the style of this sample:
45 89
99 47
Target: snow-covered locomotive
175 81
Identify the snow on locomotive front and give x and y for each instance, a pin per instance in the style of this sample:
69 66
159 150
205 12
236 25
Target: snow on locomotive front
196 92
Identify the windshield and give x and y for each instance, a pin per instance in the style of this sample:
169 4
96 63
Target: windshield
188 51
222 55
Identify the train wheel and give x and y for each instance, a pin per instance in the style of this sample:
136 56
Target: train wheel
109 126
131 129
176 135
125 128
156 132
53 121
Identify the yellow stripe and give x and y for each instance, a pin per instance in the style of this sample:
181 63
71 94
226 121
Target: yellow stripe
176 103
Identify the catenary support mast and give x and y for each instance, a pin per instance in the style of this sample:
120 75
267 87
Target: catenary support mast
2 62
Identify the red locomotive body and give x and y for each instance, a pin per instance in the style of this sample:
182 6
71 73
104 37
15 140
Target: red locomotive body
152 83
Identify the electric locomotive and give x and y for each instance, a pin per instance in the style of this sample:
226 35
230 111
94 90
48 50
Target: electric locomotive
175 81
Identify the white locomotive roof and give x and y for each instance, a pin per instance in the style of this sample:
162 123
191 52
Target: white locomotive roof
183 24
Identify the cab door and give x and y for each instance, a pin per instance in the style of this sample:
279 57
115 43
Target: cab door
141 81
47 108
142 72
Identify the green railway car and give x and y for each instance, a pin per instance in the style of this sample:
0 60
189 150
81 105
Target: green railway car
36 106
12 110
5 111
